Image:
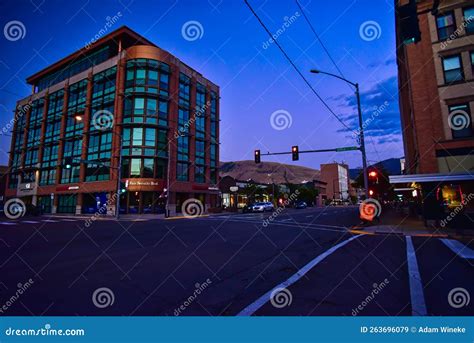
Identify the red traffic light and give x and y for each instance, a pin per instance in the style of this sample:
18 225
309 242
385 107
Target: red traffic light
371 192
295 153
373 174
257 156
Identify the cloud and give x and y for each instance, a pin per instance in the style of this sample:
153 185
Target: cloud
379 107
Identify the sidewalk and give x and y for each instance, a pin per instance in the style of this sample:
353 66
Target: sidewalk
392 222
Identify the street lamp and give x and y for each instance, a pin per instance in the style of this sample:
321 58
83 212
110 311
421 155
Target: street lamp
118 168
361 128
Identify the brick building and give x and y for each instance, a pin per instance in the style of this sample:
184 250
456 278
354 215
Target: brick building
436 79
336 177
120 99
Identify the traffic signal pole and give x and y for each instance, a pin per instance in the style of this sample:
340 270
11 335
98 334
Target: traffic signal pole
361 126
349 148
362 143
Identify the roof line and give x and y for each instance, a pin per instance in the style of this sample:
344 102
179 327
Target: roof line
108 37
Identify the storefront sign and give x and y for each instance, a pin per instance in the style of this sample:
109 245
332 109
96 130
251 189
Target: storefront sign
143 185
66 188
199 188
234 189
25 189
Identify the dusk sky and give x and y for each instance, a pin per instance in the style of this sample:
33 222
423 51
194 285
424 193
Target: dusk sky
234 51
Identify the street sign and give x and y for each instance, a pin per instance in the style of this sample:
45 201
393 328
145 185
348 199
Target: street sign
349 148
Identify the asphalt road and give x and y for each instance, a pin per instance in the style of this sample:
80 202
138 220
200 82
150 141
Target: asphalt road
301 262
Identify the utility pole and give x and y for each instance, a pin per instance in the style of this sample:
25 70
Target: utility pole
361 126
362 142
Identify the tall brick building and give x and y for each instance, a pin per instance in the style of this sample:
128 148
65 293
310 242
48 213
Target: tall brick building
120 99
436 92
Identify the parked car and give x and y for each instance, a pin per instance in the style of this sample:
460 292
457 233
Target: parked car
261 207
300 205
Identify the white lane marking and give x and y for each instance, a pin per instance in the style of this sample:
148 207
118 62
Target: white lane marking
257 304
314 226
69 220
30 222
458 248
50 221
418 305
7 223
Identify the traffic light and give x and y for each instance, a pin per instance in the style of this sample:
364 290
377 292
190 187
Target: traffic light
68 162
371 192
123 187
408 23
295 153
373 174
257 156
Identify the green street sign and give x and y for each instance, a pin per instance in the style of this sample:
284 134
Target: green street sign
349 148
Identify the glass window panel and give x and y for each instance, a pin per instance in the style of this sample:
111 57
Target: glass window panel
135 167
137 136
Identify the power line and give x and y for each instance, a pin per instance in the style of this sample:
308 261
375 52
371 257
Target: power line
330 57
295 67
319 40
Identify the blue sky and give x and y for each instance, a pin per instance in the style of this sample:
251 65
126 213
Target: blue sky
233 51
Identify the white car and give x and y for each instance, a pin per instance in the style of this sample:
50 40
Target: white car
262 207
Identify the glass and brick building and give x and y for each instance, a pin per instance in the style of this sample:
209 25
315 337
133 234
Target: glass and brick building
120 99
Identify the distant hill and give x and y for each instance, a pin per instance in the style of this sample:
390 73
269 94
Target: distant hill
392 166
281 173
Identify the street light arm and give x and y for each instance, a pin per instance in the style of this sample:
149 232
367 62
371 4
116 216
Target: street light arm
316 71
361 126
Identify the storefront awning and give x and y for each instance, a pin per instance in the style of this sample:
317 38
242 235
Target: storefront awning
422 178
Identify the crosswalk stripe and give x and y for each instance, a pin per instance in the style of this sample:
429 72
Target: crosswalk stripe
257 304
418 305
458 248
7 223
50 221
29 222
